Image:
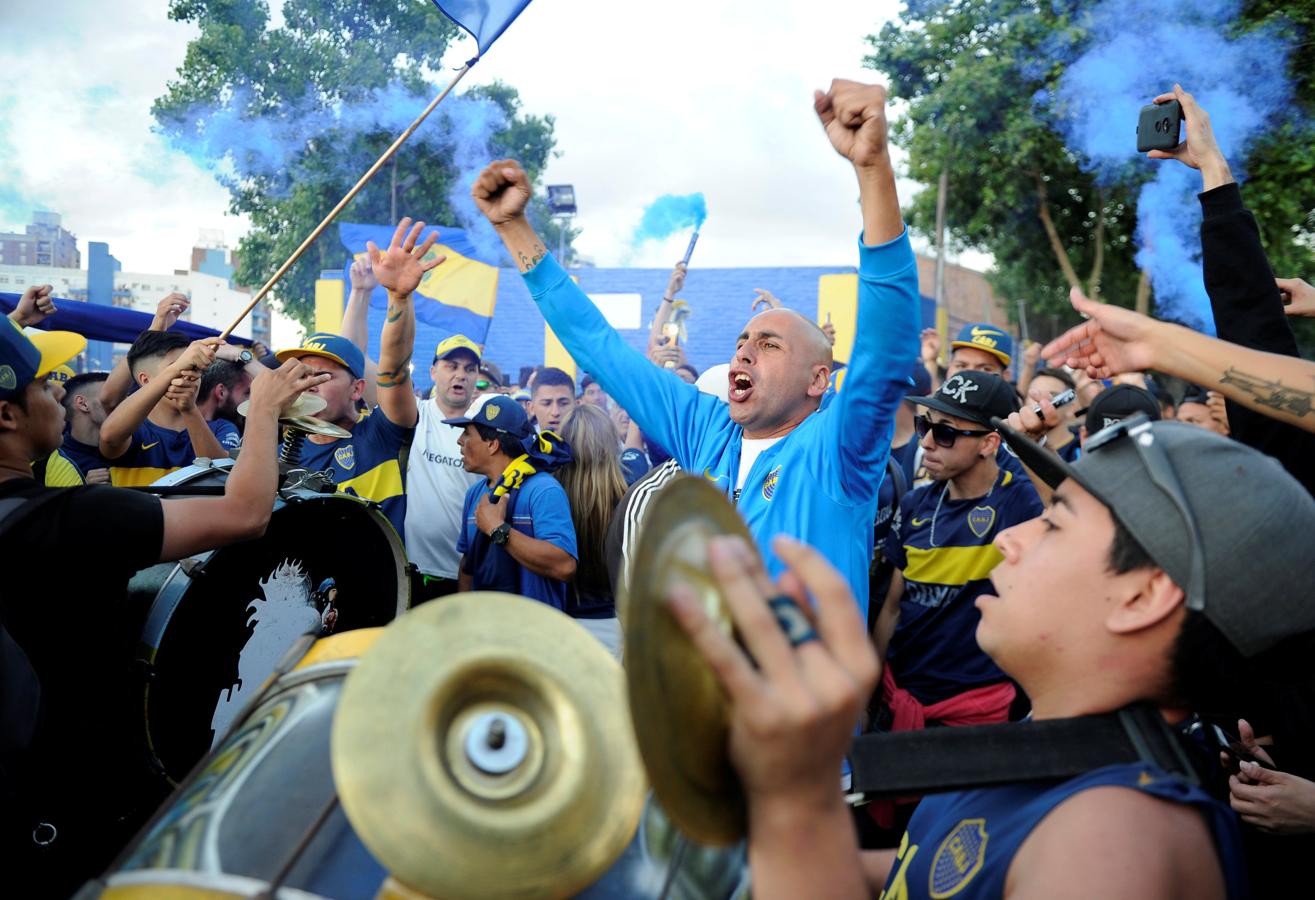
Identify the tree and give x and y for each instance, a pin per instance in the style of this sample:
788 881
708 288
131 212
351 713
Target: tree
289 117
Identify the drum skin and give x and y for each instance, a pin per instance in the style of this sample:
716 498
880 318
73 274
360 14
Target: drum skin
262 811
217 624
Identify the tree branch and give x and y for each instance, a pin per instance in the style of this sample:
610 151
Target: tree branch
1142 302
1043 210
1093 280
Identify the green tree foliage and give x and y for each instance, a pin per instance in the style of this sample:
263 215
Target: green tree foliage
326 55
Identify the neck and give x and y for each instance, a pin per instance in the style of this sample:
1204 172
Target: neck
208 410
166 415
974 482
495 467
14 465
781 430
449 412
85 430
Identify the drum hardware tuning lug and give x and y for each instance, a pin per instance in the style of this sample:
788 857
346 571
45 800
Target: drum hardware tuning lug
203 462
193 567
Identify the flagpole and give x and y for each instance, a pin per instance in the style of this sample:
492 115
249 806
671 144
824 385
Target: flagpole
350 195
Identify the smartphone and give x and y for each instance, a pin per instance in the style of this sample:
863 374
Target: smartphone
1159 125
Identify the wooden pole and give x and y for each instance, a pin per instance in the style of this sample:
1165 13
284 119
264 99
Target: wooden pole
342 204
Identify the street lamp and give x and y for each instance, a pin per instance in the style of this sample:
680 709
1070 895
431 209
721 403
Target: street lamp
561 204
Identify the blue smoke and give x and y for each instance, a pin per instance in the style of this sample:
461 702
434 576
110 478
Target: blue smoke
274 149
668 214
1138 49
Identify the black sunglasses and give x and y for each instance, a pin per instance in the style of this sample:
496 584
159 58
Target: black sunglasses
1157 465
942 433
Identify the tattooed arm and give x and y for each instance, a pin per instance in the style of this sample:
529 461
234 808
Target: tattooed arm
400 270
1115 340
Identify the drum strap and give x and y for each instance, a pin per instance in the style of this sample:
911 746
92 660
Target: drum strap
937 760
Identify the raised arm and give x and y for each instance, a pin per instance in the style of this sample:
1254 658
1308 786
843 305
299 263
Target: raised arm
356 323
886 348
117 429
400 270
34 306
675 284
182 394
117 386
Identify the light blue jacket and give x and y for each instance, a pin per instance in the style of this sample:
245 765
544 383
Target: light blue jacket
819 483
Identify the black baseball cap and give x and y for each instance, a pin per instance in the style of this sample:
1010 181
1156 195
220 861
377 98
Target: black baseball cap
972 395
1120 402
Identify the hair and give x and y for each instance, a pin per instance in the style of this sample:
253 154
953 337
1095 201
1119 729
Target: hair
507 444
221 371
1058 375
688 368
585 382
77 384
153 344
593 480
550 377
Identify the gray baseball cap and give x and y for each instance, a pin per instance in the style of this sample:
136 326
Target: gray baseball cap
1251 520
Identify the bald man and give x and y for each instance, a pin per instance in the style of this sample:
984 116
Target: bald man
791 468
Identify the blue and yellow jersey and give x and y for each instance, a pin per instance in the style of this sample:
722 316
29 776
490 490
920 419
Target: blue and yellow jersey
84 456
155 452
227 432
961 844
946 555
57 470
369 464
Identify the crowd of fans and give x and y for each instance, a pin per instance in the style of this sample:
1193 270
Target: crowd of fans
1117 517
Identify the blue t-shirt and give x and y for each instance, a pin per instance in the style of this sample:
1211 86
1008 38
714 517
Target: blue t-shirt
933 653
368 464
227 433
634 465
961 844
539 509
84 456
154 453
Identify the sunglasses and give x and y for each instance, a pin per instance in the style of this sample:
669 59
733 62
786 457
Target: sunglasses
942 433
482 384
1156 463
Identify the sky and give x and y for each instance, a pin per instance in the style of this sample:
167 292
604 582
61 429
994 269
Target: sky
650 99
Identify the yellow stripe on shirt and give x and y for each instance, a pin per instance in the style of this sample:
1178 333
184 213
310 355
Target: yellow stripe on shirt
135 476
60 472
950 565
378 484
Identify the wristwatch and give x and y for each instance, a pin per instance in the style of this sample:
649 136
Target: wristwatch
501 534
245 357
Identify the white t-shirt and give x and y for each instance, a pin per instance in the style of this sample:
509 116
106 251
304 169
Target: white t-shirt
750 450
436 486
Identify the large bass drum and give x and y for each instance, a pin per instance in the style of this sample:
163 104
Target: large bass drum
218 623
264 817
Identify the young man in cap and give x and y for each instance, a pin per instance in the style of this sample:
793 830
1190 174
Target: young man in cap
981 347
941 543
789 465
369 463
1127 590
436 479
525 542
62 819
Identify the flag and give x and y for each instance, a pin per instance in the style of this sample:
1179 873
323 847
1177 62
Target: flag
486 20
456 297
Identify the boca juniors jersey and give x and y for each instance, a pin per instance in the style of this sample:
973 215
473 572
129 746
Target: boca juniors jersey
945 549
154 453
369 464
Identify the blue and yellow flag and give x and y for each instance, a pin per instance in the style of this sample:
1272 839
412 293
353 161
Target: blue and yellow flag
485 19
456 297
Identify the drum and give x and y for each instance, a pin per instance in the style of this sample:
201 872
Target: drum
218 623
262 817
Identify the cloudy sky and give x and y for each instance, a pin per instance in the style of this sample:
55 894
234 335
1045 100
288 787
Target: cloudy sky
681 96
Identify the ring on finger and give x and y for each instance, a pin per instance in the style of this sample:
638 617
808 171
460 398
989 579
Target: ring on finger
798 630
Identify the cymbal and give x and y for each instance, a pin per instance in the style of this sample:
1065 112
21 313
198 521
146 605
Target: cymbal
305 405
313 425
678 707
481 749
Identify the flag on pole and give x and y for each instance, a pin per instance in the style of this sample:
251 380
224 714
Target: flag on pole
486 20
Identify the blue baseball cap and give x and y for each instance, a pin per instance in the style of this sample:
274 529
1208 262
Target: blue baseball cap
499 412
24 358
330 346
984 336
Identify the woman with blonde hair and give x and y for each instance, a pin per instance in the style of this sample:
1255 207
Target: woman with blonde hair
594 485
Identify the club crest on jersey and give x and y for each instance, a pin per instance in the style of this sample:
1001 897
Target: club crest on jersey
980 520
769 486
345 456
8 380
958 858
958 388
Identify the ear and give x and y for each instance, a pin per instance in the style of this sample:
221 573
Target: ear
80 403
358 389
143 379
990 445
1149 597
9 413
821 381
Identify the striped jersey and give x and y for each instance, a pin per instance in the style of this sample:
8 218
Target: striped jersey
369 464
154 453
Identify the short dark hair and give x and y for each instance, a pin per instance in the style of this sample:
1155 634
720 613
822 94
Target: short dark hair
550 377
688 368
507 444
150 344
1126 552
1058 375
77 383
221 371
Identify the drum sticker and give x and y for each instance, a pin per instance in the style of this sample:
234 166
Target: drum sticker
289 609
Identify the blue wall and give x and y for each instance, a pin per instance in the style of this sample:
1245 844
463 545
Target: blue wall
720 299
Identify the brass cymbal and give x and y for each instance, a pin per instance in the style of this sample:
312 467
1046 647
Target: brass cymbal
312 425
481 749
305 405
679 710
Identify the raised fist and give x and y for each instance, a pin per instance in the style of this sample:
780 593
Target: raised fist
502 191
854 116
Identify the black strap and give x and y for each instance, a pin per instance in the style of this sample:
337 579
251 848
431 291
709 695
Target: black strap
936 760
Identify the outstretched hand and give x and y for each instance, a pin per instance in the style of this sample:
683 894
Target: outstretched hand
401 268
1199 150
764 297
502 191
854 116
1112 341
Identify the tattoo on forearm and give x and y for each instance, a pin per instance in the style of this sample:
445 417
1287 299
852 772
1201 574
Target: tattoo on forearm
538 252
394 313
1271 394
399 377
